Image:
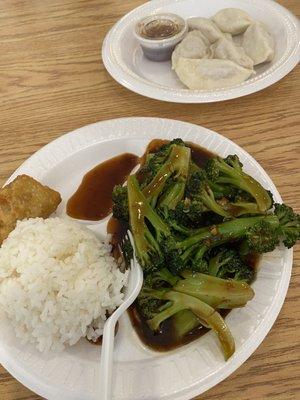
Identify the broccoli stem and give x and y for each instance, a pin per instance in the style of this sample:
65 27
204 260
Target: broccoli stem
203 311
241 208
217 292
155 322
166 276
184 322
215 264
209 201
220 190
176 164
236 177
172 195
146 242
230 230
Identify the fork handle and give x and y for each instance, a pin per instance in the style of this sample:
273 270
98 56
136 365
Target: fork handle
106 364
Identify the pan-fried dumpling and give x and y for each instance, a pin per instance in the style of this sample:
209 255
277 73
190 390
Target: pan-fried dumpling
232 20
207 27
258 43
194 45
226 50
208 74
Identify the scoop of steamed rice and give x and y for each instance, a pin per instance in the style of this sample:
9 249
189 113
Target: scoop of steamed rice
58 282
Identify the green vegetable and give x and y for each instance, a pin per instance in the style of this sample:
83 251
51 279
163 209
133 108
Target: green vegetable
120 203
289 229
229 171
190 253
227 263
194 230
155 160
199 191
217 292
177 302
175 167
147 228
183 323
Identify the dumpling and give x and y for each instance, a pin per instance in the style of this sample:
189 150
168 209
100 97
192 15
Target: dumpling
207 27
199 34
194 45
208 74
259 44
238 39
232 20
226 50
228 36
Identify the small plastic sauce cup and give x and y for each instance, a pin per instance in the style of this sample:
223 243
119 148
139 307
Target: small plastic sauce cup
159 34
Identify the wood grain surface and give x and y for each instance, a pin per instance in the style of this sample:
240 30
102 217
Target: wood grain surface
52 80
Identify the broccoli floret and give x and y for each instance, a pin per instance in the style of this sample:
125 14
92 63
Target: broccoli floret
148 229
120 203
162 278
289 229
127 250
242 204
223 190
176 259
261 238
227 264
154 161
187 214
198 189
219 198
229 171
264 237
191 253
217 292
176 302
174 171
148 306
190 213
241 208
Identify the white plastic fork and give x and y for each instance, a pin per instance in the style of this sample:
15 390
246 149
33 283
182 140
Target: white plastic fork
132 290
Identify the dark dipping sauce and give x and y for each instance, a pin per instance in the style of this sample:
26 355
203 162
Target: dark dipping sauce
159 29
93 199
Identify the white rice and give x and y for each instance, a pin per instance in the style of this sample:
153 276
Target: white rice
57 282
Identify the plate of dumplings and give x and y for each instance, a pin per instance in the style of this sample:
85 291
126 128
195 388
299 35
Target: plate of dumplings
226 49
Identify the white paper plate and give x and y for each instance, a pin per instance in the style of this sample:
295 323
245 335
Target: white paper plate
139 372
124 60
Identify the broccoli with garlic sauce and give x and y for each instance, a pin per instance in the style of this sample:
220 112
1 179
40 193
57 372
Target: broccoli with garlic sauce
227 263
259 233
289 228
194 230
175 302
229 171
155 160
167 185
198 190
189 300
120 203
148 229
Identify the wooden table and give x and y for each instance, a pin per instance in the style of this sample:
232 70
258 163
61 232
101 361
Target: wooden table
52 81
